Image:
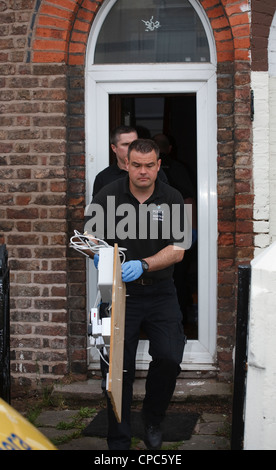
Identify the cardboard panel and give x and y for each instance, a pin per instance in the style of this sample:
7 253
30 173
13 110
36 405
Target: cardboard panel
116 356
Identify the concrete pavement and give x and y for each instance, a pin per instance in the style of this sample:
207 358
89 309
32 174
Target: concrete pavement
207 435
186 389
212 431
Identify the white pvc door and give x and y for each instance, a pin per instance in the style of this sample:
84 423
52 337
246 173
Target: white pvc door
100 83
190 76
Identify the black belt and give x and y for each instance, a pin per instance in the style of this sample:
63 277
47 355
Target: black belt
146 281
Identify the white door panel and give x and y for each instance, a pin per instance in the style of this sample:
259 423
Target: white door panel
100 83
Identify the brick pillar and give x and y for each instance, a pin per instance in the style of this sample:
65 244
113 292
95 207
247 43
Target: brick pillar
76 204
33 197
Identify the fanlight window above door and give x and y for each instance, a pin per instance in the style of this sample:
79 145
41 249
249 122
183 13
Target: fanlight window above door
152 31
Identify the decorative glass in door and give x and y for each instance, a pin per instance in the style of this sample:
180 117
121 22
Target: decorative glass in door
152 31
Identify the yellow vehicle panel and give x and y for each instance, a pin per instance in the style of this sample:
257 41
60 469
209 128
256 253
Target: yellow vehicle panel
16 433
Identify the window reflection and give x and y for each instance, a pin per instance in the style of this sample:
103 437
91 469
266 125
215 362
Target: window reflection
152 31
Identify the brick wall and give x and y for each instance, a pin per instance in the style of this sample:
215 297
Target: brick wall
33 214
262 16
230 21
76 203
42 55
33 198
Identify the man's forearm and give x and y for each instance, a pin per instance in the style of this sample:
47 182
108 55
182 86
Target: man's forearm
165 258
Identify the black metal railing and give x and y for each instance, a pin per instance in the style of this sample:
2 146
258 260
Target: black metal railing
4 325
240 374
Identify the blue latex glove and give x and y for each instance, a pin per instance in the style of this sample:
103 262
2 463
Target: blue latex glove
96 261
131 270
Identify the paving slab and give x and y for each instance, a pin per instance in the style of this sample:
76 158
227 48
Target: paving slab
85 443
208 433
205 443
53 418
205 435
186 389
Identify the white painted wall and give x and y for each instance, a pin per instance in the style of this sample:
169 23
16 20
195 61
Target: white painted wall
260 403
272 115
272 49
261 163
264 149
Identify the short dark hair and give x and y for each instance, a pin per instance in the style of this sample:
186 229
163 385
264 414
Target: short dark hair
115 134
144 146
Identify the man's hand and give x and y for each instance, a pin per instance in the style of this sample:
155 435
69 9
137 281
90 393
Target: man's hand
131 270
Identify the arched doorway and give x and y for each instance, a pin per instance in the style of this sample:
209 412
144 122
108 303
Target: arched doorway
174 67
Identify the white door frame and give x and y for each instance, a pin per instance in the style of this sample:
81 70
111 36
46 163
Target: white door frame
104 80
199 354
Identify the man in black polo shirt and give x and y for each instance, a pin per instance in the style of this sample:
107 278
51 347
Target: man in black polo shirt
120 139
144 214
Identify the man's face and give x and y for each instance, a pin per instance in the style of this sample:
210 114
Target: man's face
143 169
121 148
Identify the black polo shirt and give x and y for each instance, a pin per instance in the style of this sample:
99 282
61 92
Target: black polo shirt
107 176
112 173
143 229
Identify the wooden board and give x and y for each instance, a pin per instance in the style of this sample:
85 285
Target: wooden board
116 354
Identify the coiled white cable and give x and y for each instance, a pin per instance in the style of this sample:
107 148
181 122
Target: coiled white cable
82 243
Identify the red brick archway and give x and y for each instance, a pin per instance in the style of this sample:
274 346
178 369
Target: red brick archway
62 29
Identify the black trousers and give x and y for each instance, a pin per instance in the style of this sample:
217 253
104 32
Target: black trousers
155 309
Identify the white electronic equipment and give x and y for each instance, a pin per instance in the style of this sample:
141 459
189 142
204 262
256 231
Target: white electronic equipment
99 329
105 273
